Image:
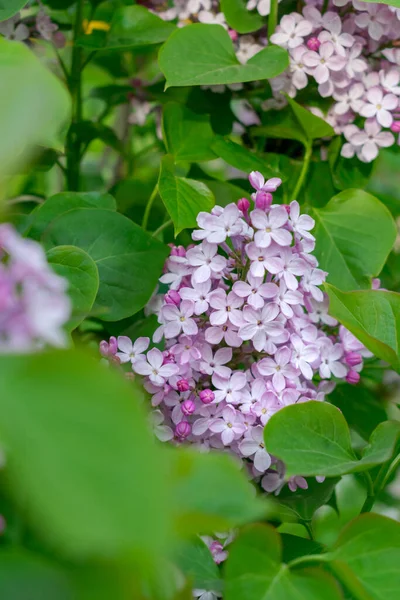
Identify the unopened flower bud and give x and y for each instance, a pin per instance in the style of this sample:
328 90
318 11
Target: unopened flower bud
112 345
183 385
104 348
263 200
353 377
313 44
287 208
183 430
168 357
207 396
233 34
178 251
395 127
188 407
243 205
353 358
172 297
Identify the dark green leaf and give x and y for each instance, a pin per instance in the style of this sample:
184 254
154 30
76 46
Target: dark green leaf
197 563
348 172
132 27
188 136
366 557
183 198
361 409
304 503
238 16
87 131
354 235
74 432
201 54
295 546
60 203
112 94
281 124
373 316
241 158
129 260
83 278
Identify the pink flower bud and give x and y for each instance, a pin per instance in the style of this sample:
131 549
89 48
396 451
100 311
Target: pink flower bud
287 208
59 39
243 205
168 357
353 359
188 407
178 251
113 345
376 283
395 127
172 297
233 35
183 430
353 377
263 200
207 396
183 385
104 348
313 44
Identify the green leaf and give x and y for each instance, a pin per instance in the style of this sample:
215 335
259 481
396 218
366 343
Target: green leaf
183 198
304 503
9 8
128 259
389 2
132 27
24 575
360 407
87 131
212 494
295 546
188 136
83 278
349 172
61 203
314 127
197 563
313 438
239 18
34 105
373 316
81 461
281 124
254 571
354 235
241 158
201 54
366 557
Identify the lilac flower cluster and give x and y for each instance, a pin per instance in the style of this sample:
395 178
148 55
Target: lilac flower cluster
33 301
246 332
347 52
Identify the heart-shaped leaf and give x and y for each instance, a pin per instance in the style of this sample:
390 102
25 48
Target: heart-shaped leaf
188 136
201 54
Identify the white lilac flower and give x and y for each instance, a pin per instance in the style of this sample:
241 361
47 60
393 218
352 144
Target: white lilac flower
291 32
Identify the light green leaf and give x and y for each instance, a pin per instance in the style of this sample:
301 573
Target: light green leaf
354 235
129 260
183 198
83 278
131 27
366 557
314 127
212 494
9 8
239 17
60 203
373 316
188 136
34 106
241 158
313 438
201 54
254 571
81 461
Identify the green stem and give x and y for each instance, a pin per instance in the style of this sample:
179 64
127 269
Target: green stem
371 493
73 146
325 6
311 558
148 207
162 227
272 17
304 171
307 525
